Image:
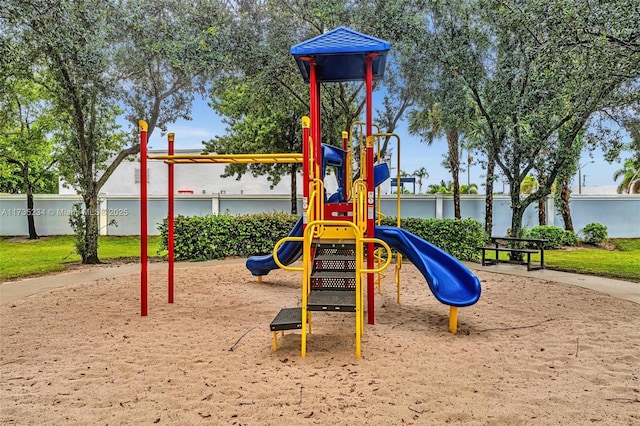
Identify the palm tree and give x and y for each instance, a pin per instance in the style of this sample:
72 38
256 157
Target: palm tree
433 188
441 188
471 188
428 123
630 174
421 174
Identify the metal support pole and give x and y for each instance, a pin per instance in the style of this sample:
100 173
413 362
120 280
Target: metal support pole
170 222
143 218
370 189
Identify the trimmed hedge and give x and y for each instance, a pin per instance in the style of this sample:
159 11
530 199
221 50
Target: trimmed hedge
223 235
594 233
553 234
459 238
219 236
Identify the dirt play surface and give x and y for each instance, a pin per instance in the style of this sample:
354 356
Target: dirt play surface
529 352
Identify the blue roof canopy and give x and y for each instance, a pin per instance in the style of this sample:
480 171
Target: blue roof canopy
340 55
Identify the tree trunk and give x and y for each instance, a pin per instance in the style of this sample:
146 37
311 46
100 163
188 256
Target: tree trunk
564 206
542 203
454 165
294 189
542 211
92 229
488 204
517 211
33 235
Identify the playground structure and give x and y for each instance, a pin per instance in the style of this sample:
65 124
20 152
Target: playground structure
337 234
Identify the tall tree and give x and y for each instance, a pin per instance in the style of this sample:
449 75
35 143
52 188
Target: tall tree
258 127
70 37
422 175
150 58
536 79
26 124
630 174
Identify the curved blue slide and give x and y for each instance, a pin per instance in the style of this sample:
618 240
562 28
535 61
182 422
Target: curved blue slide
449 280
288 253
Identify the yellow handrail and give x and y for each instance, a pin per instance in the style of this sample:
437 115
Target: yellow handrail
360 204
360 240
275 253
315 211
398 203
383 244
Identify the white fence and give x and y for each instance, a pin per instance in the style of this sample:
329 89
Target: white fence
620 213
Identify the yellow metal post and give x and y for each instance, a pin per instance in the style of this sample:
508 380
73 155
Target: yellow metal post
453 319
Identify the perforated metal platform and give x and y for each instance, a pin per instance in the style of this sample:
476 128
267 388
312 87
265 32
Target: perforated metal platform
332 301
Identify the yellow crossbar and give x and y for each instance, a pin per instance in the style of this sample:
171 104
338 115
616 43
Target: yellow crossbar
228 158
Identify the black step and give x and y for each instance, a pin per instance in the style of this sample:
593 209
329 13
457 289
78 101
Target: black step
332 301
333 274
323 255
328 244
287 319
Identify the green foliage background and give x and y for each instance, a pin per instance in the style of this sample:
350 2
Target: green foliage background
218 236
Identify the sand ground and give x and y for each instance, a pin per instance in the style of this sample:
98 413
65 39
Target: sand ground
529 352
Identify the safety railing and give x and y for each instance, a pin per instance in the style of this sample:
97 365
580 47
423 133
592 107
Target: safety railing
360 204
349 230
378 137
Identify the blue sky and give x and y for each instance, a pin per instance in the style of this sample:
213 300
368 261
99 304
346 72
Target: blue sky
414 154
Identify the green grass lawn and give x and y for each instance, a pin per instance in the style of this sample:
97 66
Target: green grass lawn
623 263
50 254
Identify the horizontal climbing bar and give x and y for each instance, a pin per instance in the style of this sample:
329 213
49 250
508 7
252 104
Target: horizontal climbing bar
228 158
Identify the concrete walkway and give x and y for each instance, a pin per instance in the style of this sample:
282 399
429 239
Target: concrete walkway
14 290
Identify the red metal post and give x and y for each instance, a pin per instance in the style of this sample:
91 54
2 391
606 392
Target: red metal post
305 169
370 188
143 218
170 222
314 98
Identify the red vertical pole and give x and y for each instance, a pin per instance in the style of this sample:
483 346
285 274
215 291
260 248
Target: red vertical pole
170 222
370 188
315 115
305 169
143 217
318 126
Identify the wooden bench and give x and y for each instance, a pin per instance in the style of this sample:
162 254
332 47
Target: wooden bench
499 246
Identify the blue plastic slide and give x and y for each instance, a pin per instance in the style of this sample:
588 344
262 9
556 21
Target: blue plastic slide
288 253
449 280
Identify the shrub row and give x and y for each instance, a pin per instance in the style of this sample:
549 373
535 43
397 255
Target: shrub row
459 238
220 236
593 233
